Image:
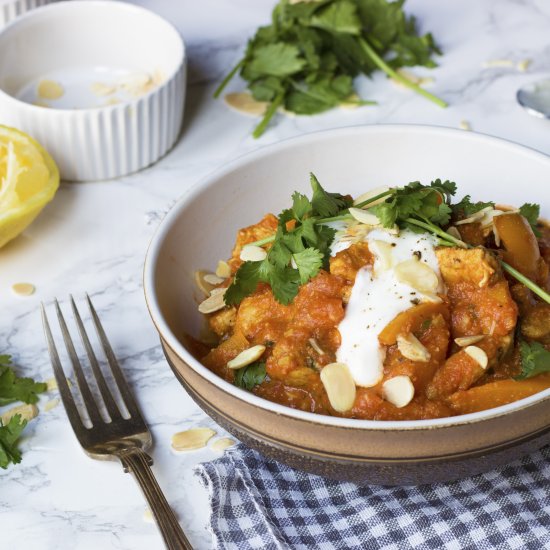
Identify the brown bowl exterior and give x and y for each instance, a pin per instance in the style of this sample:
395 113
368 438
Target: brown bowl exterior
366 456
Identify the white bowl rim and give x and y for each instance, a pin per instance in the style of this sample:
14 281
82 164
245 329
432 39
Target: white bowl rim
73 4
353 423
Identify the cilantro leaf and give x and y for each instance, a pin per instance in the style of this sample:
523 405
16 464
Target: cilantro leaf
338 17
9 434
308 262
244 283
535 359
277 59
531 212
326 204
13 388
300 205
466 207
428 203
250 376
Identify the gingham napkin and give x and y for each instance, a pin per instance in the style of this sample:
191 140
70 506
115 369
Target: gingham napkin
259 503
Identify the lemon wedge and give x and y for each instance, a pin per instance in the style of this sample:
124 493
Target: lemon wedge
29 179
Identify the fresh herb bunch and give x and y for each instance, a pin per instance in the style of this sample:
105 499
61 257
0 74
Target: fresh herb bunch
13 388
301 246
305 61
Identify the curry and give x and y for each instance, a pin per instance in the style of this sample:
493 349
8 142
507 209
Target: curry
462 324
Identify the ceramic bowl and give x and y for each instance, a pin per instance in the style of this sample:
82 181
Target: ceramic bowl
10 9
201 229
100 84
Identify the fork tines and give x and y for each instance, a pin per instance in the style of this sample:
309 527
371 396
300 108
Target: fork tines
115 413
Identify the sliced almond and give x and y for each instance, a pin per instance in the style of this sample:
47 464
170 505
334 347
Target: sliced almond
364 217
339 385
148 516
27 412
431 297
51 404
252 253
383 252
102 89
418 275
49 89
498 63
523 65
371 194
23 289
221 444
477 354
246 357
464 125
454 232
464 341
202 283
214 302
481 216
223 270
212 279
313 343
244 103
398 390
412 348
189 440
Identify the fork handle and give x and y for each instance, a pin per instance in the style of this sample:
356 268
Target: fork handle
138 463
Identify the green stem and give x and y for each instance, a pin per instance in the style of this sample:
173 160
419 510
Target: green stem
375 198
381 64
274 105
525 281
225 81
437 231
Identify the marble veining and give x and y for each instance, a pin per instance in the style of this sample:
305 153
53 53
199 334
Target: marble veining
94 236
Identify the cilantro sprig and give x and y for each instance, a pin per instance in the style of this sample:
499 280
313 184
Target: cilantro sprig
9 434
305 61
14 388
301 247
535 359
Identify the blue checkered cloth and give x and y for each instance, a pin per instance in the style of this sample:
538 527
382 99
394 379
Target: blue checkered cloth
259 503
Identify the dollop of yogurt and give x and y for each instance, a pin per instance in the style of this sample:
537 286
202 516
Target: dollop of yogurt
377 297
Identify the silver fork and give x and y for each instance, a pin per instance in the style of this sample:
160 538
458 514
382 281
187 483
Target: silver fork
125 439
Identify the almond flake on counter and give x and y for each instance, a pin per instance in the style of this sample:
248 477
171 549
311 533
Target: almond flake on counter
221 444
411 77
190 440
51 404
498 63
23 289
464 125
523 65
27 412
148 516
50 89
244 103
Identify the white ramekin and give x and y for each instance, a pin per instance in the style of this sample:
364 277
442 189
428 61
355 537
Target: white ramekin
10 9
110 140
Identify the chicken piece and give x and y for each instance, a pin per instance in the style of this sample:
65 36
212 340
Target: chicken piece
221 322
534 315
348 262
475 265
265 228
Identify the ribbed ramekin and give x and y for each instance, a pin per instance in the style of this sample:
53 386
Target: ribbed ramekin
10 9
110 140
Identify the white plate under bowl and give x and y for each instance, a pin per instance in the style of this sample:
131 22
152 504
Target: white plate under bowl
120 75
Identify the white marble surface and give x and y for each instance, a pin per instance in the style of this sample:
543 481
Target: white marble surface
93 237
